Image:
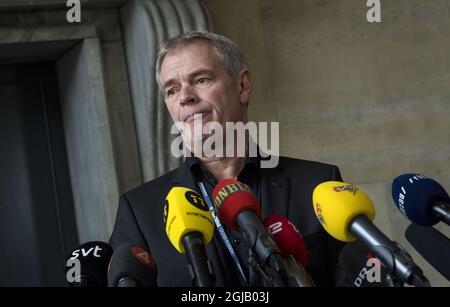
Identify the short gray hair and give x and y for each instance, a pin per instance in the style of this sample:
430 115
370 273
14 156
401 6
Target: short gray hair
232 58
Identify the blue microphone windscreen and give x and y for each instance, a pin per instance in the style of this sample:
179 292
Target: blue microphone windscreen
414 196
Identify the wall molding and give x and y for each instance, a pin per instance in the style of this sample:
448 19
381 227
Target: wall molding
146 24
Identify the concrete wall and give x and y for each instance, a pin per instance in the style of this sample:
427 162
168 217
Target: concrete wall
372 98
94 60
88 139
95 102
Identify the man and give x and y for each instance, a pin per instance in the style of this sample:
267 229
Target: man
205 74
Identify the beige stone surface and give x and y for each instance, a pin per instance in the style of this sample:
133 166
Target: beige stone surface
373 99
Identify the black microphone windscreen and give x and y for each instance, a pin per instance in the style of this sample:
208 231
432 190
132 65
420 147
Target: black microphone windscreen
131 261
94 258
432 245
353 260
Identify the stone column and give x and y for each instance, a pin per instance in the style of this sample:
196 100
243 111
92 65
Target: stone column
146 24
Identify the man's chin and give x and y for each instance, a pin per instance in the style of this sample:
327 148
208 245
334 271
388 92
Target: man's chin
197 147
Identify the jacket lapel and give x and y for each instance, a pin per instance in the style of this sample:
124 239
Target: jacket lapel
275 188
183 177
275 194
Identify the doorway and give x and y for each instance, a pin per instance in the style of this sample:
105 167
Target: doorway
37 218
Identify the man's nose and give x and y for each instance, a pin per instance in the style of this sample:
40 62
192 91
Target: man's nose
188 95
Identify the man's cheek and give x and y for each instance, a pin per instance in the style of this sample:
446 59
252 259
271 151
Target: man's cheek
173 113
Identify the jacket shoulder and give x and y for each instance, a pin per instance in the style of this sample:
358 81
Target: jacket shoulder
288 161
153 187
300 166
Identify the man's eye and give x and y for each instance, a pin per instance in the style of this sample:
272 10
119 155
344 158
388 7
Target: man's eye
202 80
170 92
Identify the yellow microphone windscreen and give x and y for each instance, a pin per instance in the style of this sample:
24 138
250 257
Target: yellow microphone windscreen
186 211
336 204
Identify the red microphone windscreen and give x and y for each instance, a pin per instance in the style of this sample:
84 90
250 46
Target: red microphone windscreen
288 238
231 197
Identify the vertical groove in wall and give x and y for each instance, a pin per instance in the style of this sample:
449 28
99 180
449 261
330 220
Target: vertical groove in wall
146 24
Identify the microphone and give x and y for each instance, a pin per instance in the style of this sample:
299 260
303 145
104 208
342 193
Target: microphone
292 247
361 269
346 213
132 266
432 245
90 265
190 226
423 200
239 209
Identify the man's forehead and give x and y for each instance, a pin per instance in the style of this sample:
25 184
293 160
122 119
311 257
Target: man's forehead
196 46
190 57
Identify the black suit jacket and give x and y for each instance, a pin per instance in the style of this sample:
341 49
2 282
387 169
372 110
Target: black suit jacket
286 190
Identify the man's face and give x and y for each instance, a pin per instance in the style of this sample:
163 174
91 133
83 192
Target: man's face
195 81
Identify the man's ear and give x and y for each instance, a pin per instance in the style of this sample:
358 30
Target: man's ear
245 86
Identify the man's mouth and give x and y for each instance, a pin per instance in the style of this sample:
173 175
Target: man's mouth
190 118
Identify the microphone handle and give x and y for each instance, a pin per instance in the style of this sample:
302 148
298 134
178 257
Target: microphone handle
441 210
128 282
256 236
390 254
283 273
201 268
85 282
298 277
261 242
